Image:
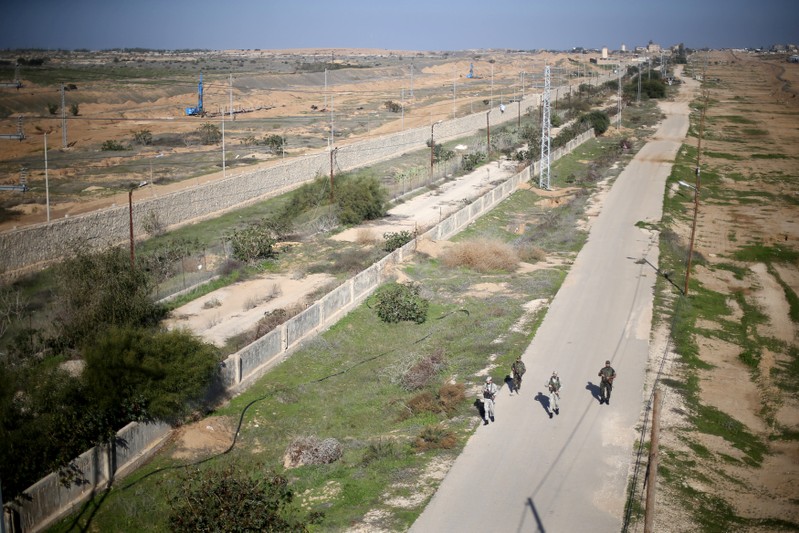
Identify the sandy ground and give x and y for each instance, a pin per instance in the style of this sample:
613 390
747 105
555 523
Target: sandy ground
160 111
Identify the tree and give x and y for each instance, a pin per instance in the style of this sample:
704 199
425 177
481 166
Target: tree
136 374
361 198
98 290
598 120
52 108
215 500
209 133
74 109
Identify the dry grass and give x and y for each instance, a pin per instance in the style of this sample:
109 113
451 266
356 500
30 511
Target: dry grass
366 236
482 255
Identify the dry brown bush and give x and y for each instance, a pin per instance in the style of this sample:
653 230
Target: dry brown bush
450 395
424 402
311 451
420 374
529 253
366 236
482 255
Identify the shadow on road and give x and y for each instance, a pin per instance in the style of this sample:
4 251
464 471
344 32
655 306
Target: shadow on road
536 516
543 399
593 389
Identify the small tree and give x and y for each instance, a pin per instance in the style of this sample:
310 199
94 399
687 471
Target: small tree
209 133
359 199
74 109
275 142
52 108
143 137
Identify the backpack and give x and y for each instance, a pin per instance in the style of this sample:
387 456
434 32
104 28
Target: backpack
554 384
519 368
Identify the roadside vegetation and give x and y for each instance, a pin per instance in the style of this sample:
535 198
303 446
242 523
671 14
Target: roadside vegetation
700 480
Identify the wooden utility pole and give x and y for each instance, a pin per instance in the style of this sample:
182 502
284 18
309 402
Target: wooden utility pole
651 483
696 197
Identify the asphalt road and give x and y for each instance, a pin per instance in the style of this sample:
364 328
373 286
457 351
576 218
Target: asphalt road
528 472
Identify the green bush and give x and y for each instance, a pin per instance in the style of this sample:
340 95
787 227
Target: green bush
112 146
213 500
360 198
598 120
396 240
397 302
471 161
252 243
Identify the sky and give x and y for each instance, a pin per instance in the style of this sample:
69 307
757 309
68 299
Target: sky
423 25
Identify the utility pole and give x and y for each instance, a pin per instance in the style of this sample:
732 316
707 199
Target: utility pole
411 80
231 97
618 99
652 468
224 169
46 179
63 118
432 148
544 173
696 196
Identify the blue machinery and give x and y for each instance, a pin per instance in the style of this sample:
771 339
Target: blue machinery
197 111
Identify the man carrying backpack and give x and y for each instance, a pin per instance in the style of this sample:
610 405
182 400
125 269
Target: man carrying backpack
489 393
517 371
554 393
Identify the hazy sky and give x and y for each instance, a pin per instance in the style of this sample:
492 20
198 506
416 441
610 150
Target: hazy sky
403 24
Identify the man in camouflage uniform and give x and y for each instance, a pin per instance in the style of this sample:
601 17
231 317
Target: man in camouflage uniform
489 394
607 374
517 371
554 393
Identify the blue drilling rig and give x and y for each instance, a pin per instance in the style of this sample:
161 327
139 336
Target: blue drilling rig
197 111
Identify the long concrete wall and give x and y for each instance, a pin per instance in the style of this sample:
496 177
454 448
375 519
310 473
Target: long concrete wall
40 244
50 500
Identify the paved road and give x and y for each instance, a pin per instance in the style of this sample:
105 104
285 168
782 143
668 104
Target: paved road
527 472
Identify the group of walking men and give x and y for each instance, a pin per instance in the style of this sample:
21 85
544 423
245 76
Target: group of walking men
606 374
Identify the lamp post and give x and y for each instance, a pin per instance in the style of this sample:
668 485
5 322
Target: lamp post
432 148
696 194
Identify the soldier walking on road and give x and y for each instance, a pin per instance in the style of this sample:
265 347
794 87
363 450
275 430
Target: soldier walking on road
517 371
554 393
489 393
606 385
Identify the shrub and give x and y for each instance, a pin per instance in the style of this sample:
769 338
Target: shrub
471 161
209 133
205 499
424 402
420 374
74 110
397 302
382 448
482 255
311 451
112 146
433 437
396 240
143 137
361 198
251 243
530 253
52 108
598 120
450 395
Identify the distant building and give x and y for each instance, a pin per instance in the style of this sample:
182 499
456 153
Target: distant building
623 47
793 59
653 48
605 52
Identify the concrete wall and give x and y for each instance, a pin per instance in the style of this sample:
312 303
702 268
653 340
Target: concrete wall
50 500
